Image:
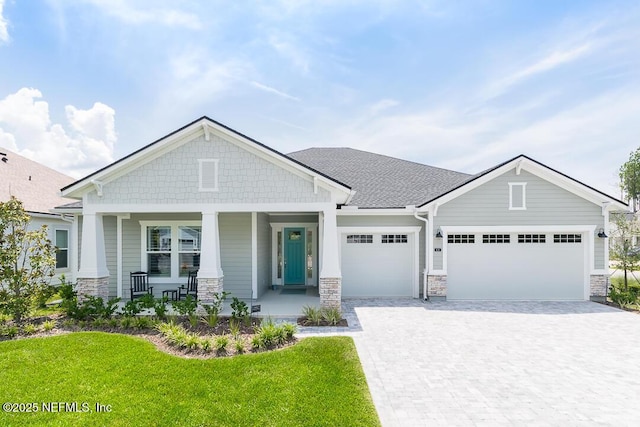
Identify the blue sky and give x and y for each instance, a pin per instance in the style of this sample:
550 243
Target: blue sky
462 85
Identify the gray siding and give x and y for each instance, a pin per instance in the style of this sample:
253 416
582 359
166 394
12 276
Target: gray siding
110 246
235 252
547 204
281 219
264 253
243 177
390 221
131 251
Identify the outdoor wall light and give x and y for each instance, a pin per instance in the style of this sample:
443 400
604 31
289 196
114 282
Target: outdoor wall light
439 234
601 233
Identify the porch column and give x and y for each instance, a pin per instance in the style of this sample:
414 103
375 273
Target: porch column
330 275
210 273
93 276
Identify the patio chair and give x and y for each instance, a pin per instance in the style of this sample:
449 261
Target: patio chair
139 281
191 288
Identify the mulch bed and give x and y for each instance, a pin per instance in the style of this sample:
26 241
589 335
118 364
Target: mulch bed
303 321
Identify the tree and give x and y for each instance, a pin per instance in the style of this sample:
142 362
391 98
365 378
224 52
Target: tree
621 248
27 261
630 178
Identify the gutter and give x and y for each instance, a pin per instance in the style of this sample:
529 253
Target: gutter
425 272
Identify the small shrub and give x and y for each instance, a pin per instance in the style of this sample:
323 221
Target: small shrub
99 323
239 345
10 331
234 327
4 318
48 325
206 344
332 315
289 330
68 323
160 307
113 322
132 308
126 322
239 309
621 297
186 307
146 301
268 334
256 342
142 322
193 320
192 341
221 343
29 329
211 319
82 324
313 314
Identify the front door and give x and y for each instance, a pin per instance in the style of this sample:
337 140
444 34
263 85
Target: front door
294 256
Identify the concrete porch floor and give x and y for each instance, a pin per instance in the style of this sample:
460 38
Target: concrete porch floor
276 304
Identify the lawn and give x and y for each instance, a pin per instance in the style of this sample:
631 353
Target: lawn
317 382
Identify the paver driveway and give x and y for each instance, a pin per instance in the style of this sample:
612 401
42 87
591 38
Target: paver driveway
507 363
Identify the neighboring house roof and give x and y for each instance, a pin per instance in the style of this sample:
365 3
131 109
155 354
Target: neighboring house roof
35 185
381 181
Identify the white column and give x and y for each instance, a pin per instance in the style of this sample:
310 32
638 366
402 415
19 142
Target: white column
330 259
93 262
210 251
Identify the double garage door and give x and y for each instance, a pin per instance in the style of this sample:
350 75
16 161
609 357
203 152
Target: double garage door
378 264
516 266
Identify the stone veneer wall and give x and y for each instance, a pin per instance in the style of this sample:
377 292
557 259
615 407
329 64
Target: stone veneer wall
437 286
208 288
330 292
599 286
95 287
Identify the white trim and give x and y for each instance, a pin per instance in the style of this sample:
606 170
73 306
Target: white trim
523 185
119 291
76 249
201 163
415 230
355 211
254 254
293 208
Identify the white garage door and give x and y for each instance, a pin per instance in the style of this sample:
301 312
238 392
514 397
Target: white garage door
516 266
377 264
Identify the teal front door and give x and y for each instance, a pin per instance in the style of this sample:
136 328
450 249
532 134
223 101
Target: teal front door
294 256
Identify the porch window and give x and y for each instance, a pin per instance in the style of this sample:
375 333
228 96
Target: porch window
309 255
159 251
279 254
171 250
62 248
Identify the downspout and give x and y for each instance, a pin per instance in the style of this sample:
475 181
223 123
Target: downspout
425 272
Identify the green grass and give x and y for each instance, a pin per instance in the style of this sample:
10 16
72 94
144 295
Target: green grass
317 382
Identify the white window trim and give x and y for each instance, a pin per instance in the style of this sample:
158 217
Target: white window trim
68 248
524 196
201 162
175 260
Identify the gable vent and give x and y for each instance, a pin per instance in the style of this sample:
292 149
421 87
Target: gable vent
208 176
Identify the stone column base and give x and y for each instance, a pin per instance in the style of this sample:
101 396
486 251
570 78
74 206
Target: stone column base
92 286
208 288
599 286
437 286
331 292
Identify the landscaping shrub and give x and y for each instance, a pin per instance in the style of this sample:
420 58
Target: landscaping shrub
48 325
313 314
621 297
332 315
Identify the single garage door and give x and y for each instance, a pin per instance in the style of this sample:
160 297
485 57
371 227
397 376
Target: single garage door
376 265
516 266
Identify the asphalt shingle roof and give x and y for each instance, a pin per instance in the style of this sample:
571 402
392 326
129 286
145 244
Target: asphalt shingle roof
37 186
381 181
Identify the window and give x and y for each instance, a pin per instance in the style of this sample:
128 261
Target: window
461 238
62 248
360 238
171 251
532 238
208 174
394 238
567 238
517 196
309 254
496 238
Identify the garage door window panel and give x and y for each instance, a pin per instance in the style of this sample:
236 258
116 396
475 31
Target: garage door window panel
360 238
461 238
567 238
394 238
532 238
496 238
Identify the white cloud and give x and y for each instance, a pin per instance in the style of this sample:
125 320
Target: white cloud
4 32
382 105
289 49
127 13
274 91
26 127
